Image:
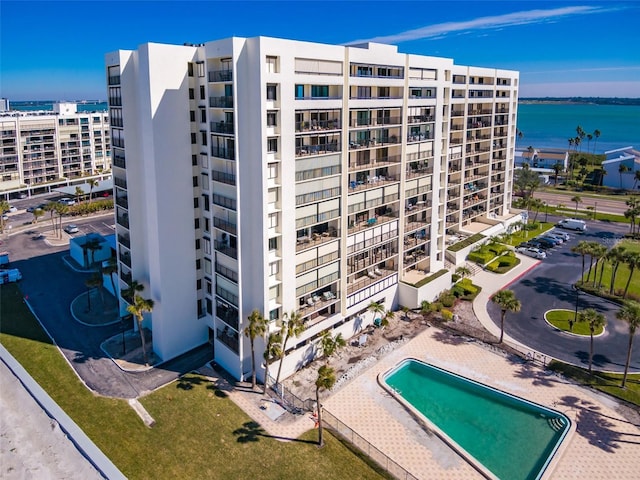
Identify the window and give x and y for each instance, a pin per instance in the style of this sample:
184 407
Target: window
272 170
202 93
203 116
209 306
205 181
197 244
204 160
207 266
274 268
274 292
192 115
205 199
206 225
364 92
272 119
272 90
384 92
273 244
299 91
272 145
364 71
194 160
203 136
200 67
199 284
272 220
192 94
198 264
196 223
207 246
190 69
274 314
272 64
194 138
196 202
195 181
320 91
208 285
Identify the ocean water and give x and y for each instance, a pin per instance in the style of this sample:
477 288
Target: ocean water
543 125
551 125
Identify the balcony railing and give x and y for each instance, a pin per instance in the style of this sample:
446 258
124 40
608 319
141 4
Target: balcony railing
421 119
222 127
319 149
123 220
357 144
124 240
224 225
126 259
226 249
227 314
315 125
368 279
226 272
228 178
374 121
122 201
228 337
221 152
221 102
221 75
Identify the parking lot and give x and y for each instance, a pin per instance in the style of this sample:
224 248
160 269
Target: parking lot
550 286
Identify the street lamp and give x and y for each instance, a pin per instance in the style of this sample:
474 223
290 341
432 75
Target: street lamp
595 210
546 211
575 317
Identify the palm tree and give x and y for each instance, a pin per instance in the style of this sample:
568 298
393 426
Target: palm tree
257 328
291 327
599 252
272 352
463 271
330 345
132 291
536 204
109 269
622 169
138 309
37 213
589 138
376 308
596 321
61 211
616 257
92 183
582 248
596 134
325 381
94 281
632 259
577 200
4 207
425 309
557 168
79 192
507 301
629 313
636 178
592 249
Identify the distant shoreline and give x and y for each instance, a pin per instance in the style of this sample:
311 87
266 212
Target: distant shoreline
579 101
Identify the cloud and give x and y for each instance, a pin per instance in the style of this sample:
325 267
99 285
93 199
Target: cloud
484 23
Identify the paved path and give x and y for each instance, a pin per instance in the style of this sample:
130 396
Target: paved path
602 204
548 286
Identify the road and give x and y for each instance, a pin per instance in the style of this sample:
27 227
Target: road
549 286
601 204
50 286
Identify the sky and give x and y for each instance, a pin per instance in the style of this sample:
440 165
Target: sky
54 50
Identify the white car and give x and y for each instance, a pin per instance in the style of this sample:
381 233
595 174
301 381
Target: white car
532 252
71 228
67 201
11 209
560 234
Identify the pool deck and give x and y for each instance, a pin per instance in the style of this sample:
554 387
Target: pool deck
604 445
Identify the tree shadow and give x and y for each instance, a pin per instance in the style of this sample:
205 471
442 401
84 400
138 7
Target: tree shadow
596 428
449 338
252 431
545 285
598 360
537 376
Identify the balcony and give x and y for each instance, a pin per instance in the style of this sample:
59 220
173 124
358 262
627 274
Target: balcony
122 201
222 177
125 258
357 226
374 181
222 127
221 102
369 163
314 125
319 149
124 240
221 152
314 239
421 119
368 279
225 225
419 137
355 264
123 220
229 251
228 337
227 314
357 144
375 121
226 273
317 306
221 75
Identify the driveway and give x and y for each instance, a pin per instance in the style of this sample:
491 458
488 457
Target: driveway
50 285
549 286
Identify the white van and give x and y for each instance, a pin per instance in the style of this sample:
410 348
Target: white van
572 224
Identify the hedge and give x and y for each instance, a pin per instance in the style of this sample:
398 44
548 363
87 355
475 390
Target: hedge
456 247
430 278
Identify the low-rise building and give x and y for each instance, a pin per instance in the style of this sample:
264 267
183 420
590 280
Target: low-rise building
622 166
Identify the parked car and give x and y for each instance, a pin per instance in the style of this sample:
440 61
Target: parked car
542 243
572 224
22 195
37 207
554 240
67 201
553 236
11 209
5 217
71 228
532 252
563 235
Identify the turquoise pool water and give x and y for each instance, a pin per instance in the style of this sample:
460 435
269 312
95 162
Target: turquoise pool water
511 437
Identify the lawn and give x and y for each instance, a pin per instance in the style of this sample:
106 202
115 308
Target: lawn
516 238
199 432
623 273
503 263
560 319
605 382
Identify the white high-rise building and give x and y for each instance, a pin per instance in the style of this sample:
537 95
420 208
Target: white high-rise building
42 150
289 176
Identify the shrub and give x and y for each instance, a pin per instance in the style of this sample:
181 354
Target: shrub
447 299
447 315
455 278
466 290
435 306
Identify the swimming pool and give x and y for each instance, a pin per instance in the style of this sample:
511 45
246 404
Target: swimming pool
500 434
